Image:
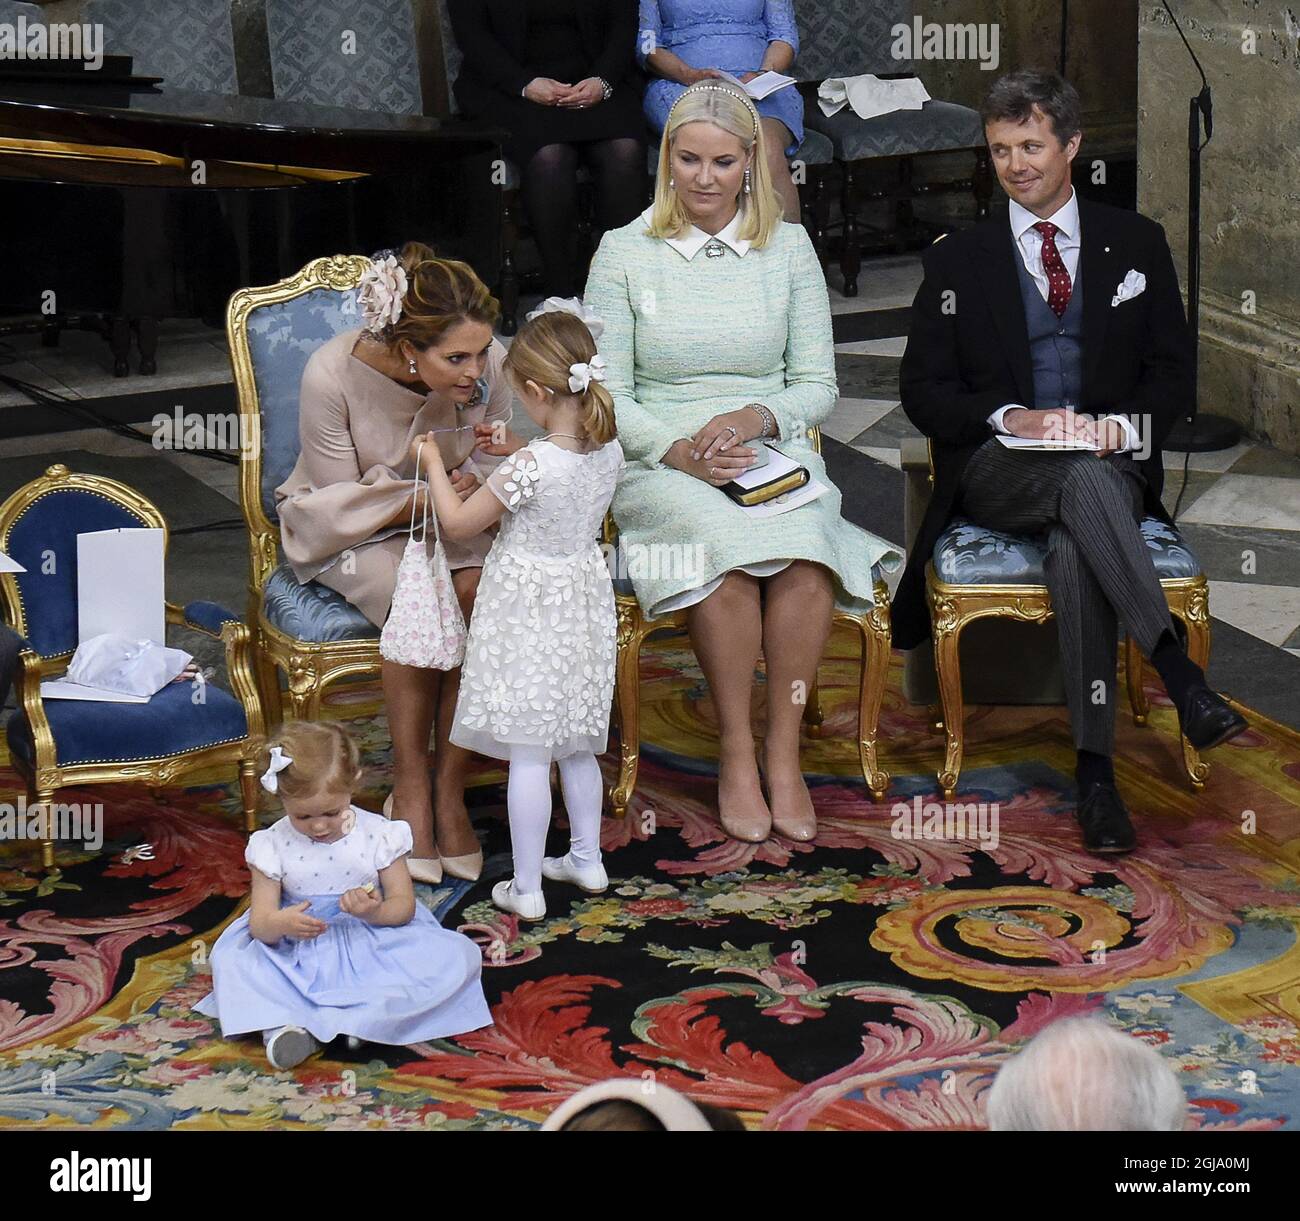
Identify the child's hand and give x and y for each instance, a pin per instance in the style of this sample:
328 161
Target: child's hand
360 901
496 440
431 452
296 923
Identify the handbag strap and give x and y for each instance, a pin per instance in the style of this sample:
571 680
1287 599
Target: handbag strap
424 525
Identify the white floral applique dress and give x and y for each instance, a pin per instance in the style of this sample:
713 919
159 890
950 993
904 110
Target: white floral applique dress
539 665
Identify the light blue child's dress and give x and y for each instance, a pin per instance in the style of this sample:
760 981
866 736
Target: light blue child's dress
395 985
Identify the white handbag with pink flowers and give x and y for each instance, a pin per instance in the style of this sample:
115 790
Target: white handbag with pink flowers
425 627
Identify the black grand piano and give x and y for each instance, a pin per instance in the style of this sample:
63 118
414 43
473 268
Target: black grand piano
123 204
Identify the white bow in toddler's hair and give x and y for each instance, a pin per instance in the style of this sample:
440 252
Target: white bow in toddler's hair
1134 285
271 777
582 374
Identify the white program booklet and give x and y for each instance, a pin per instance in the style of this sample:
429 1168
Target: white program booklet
8 565
65 689
1035 444
120 585
791 500
763 85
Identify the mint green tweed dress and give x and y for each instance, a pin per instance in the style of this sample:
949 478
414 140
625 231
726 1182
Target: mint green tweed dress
688 339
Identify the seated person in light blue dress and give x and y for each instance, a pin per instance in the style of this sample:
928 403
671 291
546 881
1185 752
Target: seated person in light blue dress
334 942
686 41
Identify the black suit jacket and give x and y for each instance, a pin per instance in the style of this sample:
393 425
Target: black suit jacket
492 35
964 362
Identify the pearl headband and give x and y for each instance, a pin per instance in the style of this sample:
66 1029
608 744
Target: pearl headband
708 88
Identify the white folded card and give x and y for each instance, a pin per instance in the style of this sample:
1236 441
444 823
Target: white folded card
763 85
120 585
8 565
64 689
1035 443
791 500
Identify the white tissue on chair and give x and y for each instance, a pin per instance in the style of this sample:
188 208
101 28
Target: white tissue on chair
870 96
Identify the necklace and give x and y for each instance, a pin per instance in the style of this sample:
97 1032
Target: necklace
572 436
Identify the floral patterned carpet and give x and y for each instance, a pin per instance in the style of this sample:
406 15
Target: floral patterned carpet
864 982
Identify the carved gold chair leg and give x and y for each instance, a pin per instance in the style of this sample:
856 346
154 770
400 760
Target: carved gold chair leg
1192 608
875 633
1137 696
248 793
44 800
947 664
627 693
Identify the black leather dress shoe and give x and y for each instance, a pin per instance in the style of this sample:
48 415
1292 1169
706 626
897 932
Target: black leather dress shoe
1207 719
1105 821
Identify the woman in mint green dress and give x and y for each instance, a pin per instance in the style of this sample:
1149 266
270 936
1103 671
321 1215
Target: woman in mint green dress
717 334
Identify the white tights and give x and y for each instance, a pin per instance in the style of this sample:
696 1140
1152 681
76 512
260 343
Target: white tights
528 799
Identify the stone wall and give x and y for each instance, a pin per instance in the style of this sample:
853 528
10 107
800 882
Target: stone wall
1250 201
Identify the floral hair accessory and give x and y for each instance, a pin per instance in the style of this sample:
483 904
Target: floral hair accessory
582 374
381 293
271 777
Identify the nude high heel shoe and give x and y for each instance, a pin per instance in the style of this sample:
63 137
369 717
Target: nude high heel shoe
422 869
467 867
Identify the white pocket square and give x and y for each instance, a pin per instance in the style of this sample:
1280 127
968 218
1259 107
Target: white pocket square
1135 283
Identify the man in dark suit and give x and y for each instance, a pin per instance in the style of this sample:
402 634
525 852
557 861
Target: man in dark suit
1061 322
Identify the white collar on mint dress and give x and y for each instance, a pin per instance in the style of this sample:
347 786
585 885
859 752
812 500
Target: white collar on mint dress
695 239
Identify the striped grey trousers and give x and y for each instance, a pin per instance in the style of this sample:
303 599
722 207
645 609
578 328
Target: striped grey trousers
1098 569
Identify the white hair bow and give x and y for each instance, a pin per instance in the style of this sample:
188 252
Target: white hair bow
583 374
271 777
575 306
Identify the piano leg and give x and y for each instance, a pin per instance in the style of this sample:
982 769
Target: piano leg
118 332
146 335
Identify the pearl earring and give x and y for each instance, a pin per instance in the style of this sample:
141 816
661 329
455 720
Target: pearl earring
672 184
411 366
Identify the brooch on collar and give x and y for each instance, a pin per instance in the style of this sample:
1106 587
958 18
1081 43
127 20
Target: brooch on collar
715 250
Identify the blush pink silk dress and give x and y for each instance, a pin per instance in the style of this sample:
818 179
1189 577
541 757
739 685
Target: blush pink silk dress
355 471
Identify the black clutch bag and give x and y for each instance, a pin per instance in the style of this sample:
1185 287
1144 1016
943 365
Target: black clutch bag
776 477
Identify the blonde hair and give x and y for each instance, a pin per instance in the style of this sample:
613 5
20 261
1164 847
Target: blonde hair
714 101
325 758
543 351
439 294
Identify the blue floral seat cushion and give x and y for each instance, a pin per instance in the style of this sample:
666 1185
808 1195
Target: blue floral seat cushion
313 611
171 723
967 554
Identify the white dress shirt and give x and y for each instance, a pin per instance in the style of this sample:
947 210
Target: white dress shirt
1029 243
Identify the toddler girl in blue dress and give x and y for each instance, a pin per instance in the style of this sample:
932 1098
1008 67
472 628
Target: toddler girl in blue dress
334 942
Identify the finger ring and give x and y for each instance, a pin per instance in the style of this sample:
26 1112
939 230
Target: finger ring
731 429
713 470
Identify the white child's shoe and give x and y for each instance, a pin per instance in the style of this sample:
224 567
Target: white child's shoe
288 1046
591 878
526 907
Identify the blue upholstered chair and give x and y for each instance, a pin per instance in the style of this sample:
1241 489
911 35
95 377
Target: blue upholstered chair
634 626
189 43
841 38
977 573
310 62
61 743
310 632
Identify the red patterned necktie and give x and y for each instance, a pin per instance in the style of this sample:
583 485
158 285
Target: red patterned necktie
1058 279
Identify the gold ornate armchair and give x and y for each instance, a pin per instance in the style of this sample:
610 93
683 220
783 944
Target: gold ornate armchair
634 627
312 634
977 574
63 743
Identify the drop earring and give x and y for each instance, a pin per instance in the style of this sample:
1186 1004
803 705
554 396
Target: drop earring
672 184
411 366
747 182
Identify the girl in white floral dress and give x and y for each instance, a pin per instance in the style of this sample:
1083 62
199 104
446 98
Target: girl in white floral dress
538 678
